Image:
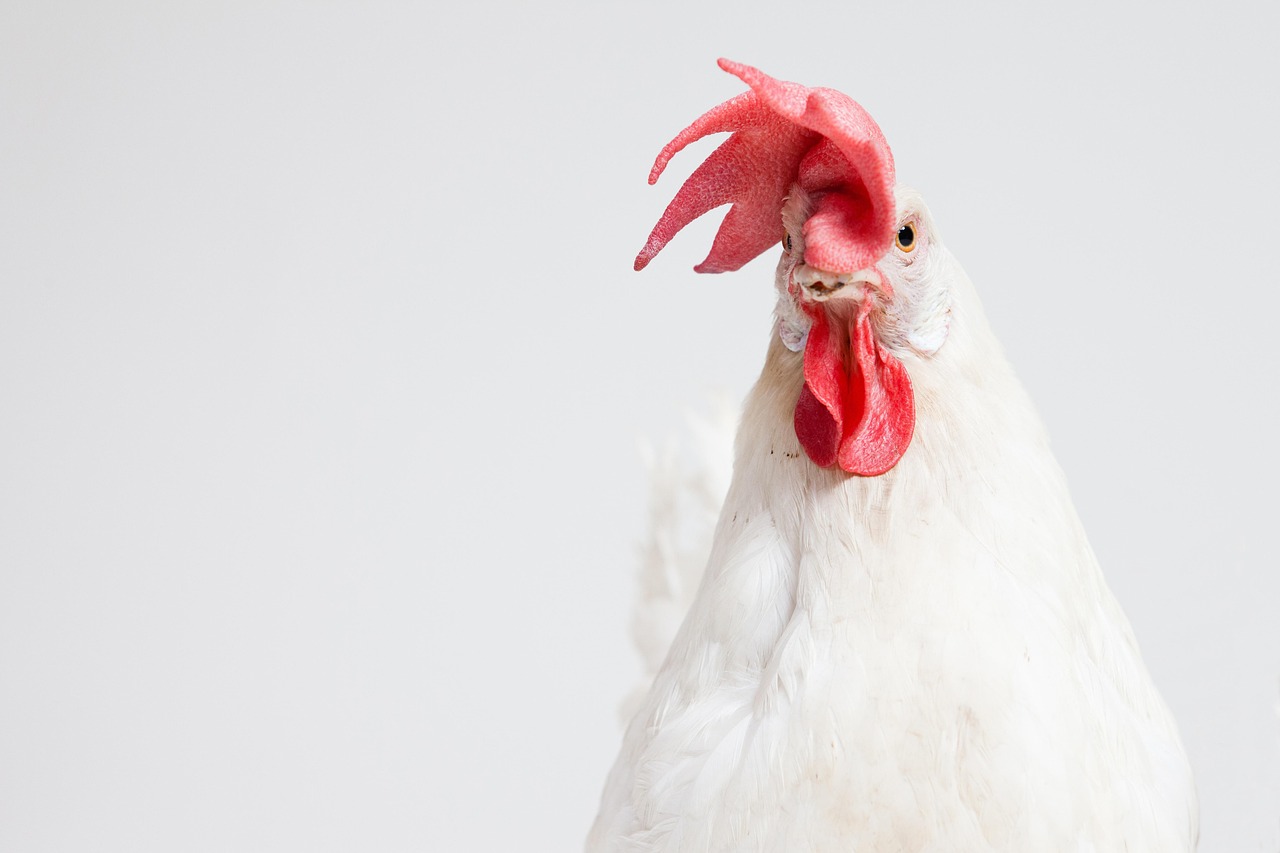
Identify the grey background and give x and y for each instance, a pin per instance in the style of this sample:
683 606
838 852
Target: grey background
322 370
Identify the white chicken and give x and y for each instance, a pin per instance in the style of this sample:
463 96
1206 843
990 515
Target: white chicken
902 640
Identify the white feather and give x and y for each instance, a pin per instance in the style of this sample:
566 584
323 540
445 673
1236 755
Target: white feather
928 660
686 492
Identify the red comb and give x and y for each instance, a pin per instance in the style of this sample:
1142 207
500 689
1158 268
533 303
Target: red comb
782 134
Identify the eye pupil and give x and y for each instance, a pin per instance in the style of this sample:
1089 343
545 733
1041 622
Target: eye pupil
906 237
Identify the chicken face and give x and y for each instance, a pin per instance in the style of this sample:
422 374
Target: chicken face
853 294
911 302
857 409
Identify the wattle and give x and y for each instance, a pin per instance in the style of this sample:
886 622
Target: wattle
857 409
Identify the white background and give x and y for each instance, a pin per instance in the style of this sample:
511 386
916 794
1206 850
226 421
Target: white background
322 370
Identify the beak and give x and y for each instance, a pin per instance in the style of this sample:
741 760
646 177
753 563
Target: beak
815 285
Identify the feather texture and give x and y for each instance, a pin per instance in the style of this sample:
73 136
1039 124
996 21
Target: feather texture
922 656
686 492
926 660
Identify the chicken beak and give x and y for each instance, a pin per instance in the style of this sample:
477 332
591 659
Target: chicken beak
816 285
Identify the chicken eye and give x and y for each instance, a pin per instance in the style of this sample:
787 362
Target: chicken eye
907 237
786 241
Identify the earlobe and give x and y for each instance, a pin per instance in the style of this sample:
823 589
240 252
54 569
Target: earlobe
929 338
932 318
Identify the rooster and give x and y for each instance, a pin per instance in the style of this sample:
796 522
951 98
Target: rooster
902 640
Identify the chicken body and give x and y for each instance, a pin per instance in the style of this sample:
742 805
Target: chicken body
924 660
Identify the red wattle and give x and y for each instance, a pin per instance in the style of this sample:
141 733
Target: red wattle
819 416
857 408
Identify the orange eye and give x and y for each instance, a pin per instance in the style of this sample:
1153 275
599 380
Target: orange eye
906 237
786 241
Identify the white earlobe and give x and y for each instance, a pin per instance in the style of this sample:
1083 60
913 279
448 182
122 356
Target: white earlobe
793 323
